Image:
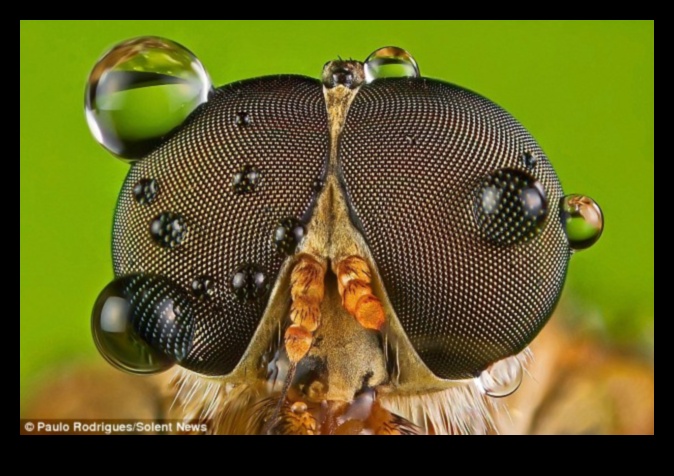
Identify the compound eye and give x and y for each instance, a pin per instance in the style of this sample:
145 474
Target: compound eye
143 324
139 91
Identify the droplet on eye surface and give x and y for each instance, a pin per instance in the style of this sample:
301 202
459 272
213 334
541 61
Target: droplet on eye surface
203 287
139 91
390 62
510 206
145 191
168 229
114 325
583 220
246 179
529 160
287 235
242 119
249 282
501 378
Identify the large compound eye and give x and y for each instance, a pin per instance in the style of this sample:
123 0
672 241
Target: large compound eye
459 208
139 91
219 206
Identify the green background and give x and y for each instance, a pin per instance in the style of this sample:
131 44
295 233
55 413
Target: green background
583 89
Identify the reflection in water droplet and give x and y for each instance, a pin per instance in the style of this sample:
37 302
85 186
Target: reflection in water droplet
242 119
583 220
203 287
249 282
168 229
246 179
501 378
287 235
145 191
510 206
142 324
529 160
390 62
139 91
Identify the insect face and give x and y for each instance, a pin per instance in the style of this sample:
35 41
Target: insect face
327 251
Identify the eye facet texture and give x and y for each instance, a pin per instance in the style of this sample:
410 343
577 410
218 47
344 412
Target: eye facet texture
273 133
413 153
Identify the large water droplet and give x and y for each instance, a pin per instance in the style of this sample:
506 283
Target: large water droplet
390 62
145 191
501 378
510 206
287 235
583 220
168 229
139 91
246 179
249 282
142 324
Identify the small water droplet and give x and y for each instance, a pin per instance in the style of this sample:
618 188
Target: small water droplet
242 119
203 287
501 378
168 229
287 235
510 206
298 407
529 160
583 221
246 179
142 324
249 282
145 191
390 62
139 91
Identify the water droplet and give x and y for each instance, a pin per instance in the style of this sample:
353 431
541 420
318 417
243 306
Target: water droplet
249 282
168 229
142 324
246 179
145 191
298 407
583 221
203 287
529 160
390 62
287 235
242 119
501 378
139 91
510 206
